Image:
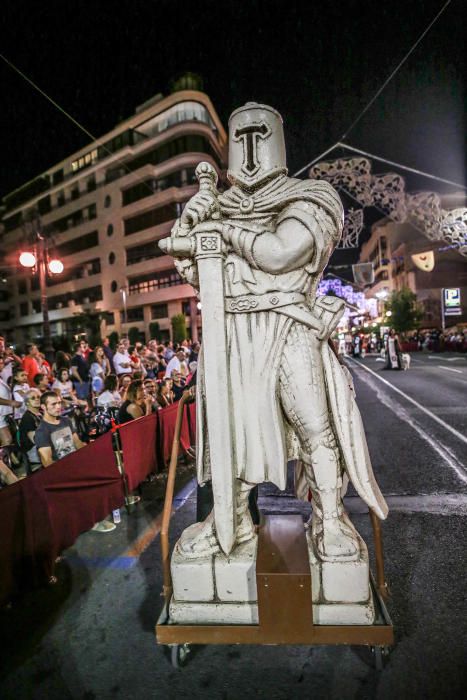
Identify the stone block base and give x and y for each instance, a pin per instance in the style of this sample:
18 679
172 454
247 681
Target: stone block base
213 613
222 590
341 589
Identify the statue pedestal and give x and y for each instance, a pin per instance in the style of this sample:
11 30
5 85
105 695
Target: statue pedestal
223 590
215 589
341 590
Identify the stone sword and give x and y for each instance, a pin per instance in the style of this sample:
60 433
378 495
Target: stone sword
206 248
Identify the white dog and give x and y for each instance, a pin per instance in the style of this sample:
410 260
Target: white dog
405 360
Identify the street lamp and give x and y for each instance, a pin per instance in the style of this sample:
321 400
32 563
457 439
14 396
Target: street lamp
40 260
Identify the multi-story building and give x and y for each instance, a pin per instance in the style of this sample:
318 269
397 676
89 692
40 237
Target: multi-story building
390 248
104 208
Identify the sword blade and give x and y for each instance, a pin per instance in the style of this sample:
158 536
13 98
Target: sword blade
211 284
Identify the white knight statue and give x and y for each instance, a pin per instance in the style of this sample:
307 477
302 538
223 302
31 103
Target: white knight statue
281 392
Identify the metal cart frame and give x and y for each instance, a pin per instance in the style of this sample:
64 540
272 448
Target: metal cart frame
284 589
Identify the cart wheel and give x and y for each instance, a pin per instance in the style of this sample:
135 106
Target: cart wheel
179 655
380 656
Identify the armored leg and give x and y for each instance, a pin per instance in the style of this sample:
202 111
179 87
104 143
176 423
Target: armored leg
303 398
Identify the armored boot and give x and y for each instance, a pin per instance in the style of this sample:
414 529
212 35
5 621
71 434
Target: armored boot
333 533
245 527
200 539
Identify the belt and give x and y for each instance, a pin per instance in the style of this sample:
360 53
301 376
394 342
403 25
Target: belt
262 302
324 318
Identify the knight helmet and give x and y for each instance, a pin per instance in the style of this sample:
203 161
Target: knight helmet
256 145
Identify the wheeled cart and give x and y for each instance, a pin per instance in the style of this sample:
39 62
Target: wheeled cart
284 588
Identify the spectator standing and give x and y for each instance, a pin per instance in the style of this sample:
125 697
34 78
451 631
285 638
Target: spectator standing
169 351
122 360
28 426
177 363
20 390
41 382
108 352
9 358
99 369
31 363
55 439
80 371
7 404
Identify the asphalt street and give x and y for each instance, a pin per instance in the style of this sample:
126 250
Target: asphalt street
91 636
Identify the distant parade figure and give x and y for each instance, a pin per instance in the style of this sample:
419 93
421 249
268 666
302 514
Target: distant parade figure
357 346
393 351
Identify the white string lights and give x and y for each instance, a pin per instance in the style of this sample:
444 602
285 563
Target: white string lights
387 193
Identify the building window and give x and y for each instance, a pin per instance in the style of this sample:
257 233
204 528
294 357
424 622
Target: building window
24 308
58 176
85 161
111 258
110 230
92 211
36 306
90 240
22 287
153 281
60 198
107 201
148 187
113 287
91 183
135 314
75 192
146 251
159 311
150 218
44 205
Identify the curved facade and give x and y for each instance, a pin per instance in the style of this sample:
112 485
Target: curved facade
105 207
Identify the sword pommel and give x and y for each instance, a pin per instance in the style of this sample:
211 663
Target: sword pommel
207 177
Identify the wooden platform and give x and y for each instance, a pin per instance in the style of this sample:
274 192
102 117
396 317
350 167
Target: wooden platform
283 581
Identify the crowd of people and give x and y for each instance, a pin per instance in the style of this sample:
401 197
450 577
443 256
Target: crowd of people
49 410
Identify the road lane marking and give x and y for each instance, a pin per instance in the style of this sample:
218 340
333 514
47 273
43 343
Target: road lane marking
452 430
154 527
451 369
439 447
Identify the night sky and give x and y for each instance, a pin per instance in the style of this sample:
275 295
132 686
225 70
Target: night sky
317 63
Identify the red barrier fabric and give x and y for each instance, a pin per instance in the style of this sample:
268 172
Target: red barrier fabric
11 538
167 420
42 515
138 440
81 489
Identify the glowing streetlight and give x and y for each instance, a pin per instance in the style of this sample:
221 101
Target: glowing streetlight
382 294
388 313
55 267
27 259
39 259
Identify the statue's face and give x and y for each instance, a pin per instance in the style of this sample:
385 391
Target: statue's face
256 145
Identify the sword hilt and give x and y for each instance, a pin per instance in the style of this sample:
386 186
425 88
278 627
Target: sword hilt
207 178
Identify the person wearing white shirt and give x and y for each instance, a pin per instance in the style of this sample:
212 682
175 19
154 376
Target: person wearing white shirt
20 391
122 360
7 404
177 363
110 397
